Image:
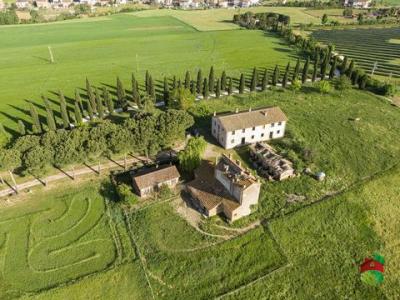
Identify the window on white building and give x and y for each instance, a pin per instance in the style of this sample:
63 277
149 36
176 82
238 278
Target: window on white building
233 132
252 137
232 141
278 132
262 134
264 127
273 124
280 123
243 130
254 128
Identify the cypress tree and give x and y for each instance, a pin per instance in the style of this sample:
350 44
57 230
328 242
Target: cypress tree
199 83
286 76
166 91
350 70
90 93
99 103
254 80
206 89
241 84
230 86
211 79
193 87
324 67
316 68
218 89
305 70
78 99
362 82
296 70
78 115
179 84
152 90
354 77
275 76
146 82
187 80
264 83
135 92
223 81
174 84
343 67
64 111
333 68
36 126
90 111
51 123
21 127
120 94
108 100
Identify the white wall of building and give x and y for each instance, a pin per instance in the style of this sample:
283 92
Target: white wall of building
245 136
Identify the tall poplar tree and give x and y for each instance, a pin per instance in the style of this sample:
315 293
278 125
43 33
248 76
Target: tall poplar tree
99 104
152 90
223 81
305 70
206 89
211 79
21 127
286 76
166 91
343 67
135 92
78 99
316 68
36 126
146 82
90 95
187 80
199 82
64 111
296 70
324 67
275 76
333 68
242 84
254 80
230 86
121 96
218 88
107 99
78 115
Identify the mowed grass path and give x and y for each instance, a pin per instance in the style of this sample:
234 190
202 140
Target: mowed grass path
53 239
119 45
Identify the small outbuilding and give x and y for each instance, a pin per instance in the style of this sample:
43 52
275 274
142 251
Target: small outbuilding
148 181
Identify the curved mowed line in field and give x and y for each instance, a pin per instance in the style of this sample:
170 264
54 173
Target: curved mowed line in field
70 241
367 46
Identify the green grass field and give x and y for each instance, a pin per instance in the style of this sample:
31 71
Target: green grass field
367 46
104 48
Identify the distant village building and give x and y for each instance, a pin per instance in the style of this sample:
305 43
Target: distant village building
232 190
21 4
248 127
2 5
149 181
42 4
271 164
357 3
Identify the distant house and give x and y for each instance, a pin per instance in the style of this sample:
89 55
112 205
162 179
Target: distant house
357 3
270 164
2 5
232 190
248 127
66 3
21 4
42 4
149 181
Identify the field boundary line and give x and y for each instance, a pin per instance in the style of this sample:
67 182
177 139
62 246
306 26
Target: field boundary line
141 257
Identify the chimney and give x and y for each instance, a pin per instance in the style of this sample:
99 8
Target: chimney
249 109
237 110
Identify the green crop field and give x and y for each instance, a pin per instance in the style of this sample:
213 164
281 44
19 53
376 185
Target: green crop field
104 48
367 47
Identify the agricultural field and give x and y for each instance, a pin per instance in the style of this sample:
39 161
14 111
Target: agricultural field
325 244
221 19
104 48
367 47
334 14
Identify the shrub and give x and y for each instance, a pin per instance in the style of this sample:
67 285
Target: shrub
342 83
126 195
165 192
324 87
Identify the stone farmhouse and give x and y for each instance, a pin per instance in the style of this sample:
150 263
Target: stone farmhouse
357 3
148 181
270 164
248 127
225 187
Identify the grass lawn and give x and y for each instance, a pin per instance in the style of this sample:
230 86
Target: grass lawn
326 243
347 151
104 48
182 265
221 19
52 238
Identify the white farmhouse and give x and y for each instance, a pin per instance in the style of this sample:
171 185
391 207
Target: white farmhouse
248 127
2 5
21 4
357 3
